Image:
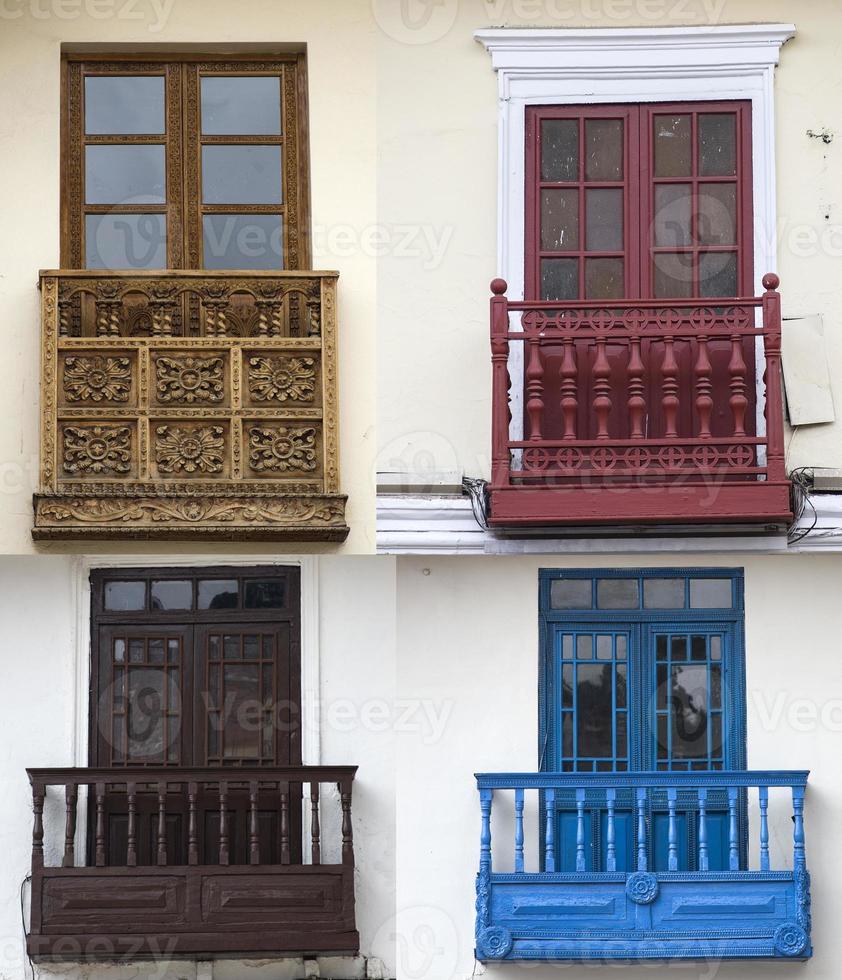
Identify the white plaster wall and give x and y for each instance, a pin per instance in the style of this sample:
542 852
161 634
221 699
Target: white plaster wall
468 645
38 712
437 174
339 35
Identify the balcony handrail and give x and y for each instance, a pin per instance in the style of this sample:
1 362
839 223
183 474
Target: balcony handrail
693 302
739 778
186 273
174 775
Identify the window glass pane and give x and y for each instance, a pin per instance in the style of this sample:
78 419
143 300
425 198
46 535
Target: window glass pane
717 144
621 647
717 221
560 149
689 700
251 647
156 651
698 648
125 595
595 710
617 593
604 219
125 241
241 735
124 104
604 648
716 648
559 220
604 149
119 651
718 274
570 593
137 650
173 651
241 174
559 279
567 686
239 105
243 241
145 714
663 593
567 647
584 647
710 593
673 152
218 594
172 594
604 278
621 684
567 734
671 220
673 275
678 648
264 594
231 647
133 174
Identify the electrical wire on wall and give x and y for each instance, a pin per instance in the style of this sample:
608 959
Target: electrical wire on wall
802 488
477 490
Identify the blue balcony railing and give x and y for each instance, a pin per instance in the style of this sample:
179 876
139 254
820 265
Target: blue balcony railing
630 866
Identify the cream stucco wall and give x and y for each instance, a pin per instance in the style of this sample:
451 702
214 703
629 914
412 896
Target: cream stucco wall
468 648
437 173
43 725
339 35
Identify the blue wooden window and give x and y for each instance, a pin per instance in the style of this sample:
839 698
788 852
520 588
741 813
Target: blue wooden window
642 670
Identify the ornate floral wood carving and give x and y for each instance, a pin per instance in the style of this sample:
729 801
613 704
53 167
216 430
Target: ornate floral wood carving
186 427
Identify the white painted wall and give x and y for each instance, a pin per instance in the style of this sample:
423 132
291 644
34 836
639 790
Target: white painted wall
468 647
39 708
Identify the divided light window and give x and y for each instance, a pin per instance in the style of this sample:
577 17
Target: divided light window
638 201
188 163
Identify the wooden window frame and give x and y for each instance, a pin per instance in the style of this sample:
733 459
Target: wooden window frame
183 141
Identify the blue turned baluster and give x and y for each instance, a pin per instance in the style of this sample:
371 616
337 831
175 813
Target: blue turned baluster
764 828
799 857
642 863
518 830
580 830
485 796
672 840
549 842
733 838
611 832
704 864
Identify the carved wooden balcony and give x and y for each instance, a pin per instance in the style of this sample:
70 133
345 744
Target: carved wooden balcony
643 866
637 412
187 405
200 862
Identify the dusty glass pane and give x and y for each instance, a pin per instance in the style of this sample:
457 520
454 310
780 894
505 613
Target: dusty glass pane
231 647
716 648
673 275
604 278
621 647
264 593
172 594
117 105
241 105
620 675
145 713
173 651
710 593
718 274
217 593
689 697
251 647
663 593
678 648
717 144
559 279
560 149
241 174
241 735
604 648
559 220
698 648
604 219
595 714
672 214
243 241
156 651
119 651
570 593
133 174
673 150
125 241
125 595
567 647
604 149
717 221
584 647
137 651
617 593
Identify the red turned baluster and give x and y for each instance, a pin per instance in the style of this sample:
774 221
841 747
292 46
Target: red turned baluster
315 829
254 826
38 794
162 823
636 403
347 826
131 832
569 388
285 853
704 388
669 388
535 384
192 824
775 461
70 796
223 822
602 390
737 370
500 383
99 836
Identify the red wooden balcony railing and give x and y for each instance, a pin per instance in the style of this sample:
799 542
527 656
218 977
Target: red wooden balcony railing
637 411
203 862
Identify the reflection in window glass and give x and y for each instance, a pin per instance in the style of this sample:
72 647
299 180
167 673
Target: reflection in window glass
617 593
125 241
218 594
241 734
560 149
571 593
243 241
125 595
710 593
234 105
663 593
145 714
241 174
559 279
168 594
124 105
131 174
264 594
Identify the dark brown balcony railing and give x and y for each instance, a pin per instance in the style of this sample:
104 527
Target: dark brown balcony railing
186 404
213 861
637 412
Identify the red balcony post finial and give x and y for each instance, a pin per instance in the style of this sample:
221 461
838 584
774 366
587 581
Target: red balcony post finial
775 456
500 383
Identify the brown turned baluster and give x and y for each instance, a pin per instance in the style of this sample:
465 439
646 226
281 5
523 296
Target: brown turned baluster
223 822
254 826
162 823
738 400
192 827
315 828
636 403
131 846
569 388
38 793
775 461
285 854
669 387
500 382
64 317
535 385
602 390
347 826
70 796
314 317
100 826
704 388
